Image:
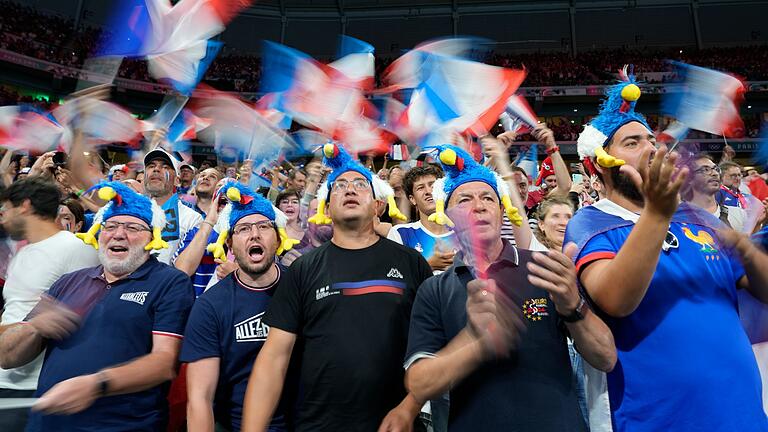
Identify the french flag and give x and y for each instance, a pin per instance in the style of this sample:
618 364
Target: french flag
407 70
463 95
355 61
173 37
709 101
101 122
675 132
26 128
241 128
518 114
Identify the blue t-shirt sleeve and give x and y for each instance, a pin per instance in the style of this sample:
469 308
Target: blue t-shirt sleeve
598 247
201 337
173 306
426 335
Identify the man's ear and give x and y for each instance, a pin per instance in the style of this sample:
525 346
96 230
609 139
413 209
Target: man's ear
412 200
26 207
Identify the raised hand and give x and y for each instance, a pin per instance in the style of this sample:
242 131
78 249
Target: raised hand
555 273
660 182
492 319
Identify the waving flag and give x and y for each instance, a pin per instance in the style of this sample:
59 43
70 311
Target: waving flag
675 132
173 38
527 161
407 70
241 130
355 61
709 101
518 109
25 128
462 95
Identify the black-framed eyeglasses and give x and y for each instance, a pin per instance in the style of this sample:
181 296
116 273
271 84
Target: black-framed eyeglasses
130 227
342 185
707 170
246 228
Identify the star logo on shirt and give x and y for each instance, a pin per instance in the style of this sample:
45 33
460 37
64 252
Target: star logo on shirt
535 309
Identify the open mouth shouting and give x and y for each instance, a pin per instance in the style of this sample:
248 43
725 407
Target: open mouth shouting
117 251
256 253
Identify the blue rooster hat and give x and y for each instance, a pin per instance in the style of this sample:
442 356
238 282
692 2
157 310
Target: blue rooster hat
617 109
243 201
336 158
124 201
461 168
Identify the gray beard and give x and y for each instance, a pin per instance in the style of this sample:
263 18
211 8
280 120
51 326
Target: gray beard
136 257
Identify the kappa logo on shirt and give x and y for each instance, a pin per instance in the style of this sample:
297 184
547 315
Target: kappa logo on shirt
394 273
251 330
136 297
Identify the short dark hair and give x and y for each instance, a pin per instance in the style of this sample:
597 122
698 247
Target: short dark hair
516 168
285 194
414 174
77 210
726 165
43 195
293 172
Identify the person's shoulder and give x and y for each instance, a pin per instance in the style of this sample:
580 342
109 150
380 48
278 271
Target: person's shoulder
407 226
308 259
402 249
188 213
219 291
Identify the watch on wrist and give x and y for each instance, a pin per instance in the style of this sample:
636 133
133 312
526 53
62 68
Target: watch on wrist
577 314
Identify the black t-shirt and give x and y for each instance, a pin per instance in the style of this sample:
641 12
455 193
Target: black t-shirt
350 310
531 390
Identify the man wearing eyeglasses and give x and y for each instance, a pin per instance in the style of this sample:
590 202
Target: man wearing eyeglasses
226 329
702 191
111 333
344 308
730 193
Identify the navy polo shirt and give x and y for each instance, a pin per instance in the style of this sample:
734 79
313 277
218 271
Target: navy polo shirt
119 320
226 322
533 389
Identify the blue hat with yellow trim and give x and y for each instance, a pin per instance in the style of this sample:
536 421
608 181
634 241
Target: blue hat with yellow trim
617 110
461 168
124 201
337 158
243 201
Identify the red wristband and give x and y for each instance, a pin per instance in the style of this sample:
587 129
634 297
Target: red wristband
553 150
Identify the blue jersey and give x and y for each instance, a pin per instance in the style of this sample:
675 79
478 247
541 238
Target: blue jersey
226 322
684 360
120 319
207 267
415 236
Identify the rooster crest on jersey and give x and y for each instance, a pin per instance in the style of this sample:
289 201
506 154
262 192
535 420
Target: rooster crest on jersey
617 109
245 202
336 158
460 168
123 201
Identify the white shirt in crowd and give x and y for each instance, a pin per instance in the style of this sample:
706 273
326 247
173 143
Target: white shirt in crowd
737 217
31 272
188 219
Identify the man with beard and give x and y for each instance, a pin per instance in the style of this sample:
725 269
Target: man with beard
225 330
348 303
111 333
29 214
435 242
191 257
161 169
665 283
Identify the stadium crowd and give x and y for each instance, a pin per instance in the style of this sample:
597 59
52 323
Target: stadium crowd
25 30
251 269
465 287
